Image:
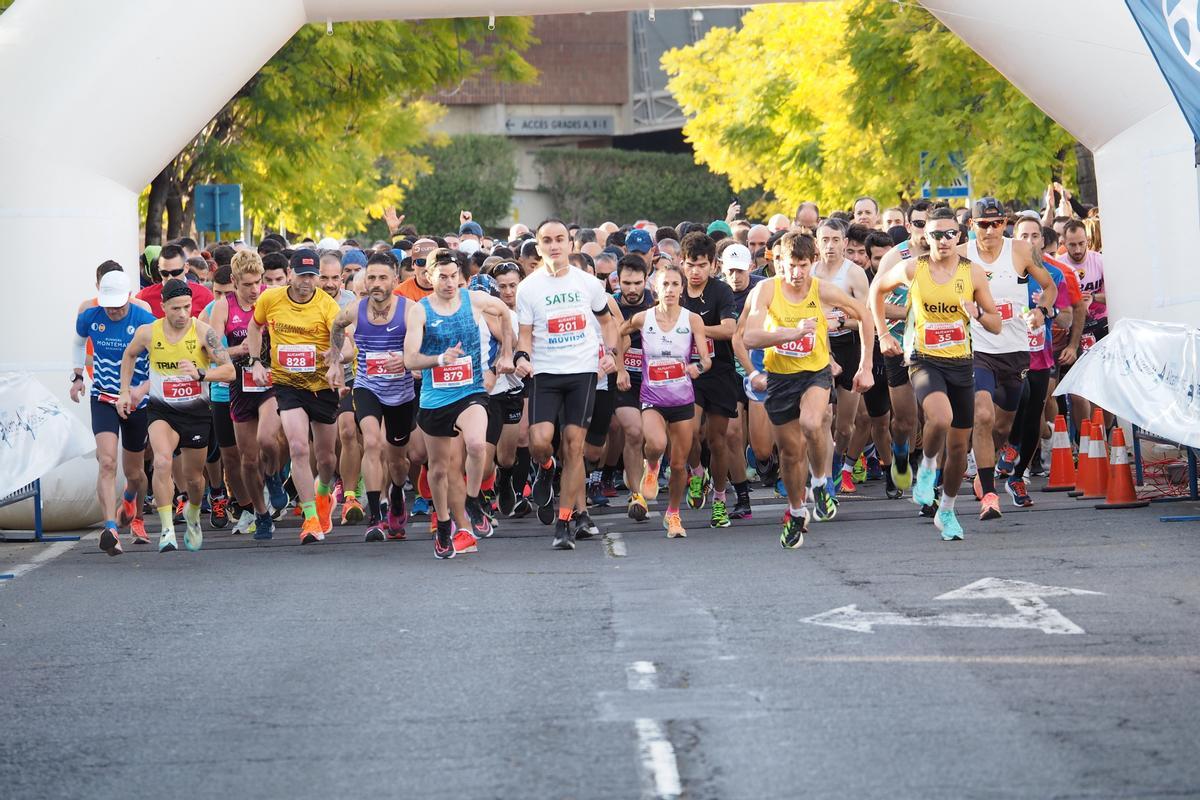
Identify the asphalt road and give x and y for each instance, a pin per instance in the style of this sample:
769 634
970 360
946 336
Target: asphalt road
632 667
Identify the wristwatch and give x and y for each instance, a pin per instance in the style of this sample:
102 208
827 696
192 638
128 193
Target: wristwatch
1048 313
76 377
201 373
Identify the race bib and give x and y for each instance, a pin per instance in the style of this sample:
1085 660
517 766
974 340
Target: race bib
376 366
1037 340
455 374
660 372
695 354
105 397
1087 341
181 389
836 323
250 385
565 322
633 359
798 348
1006 310
297 357
942 335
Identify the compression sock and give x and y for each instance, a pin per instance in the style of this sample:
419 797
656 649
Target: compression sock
309 507
396 498
166 517
375 506
520 471
324 488
987 480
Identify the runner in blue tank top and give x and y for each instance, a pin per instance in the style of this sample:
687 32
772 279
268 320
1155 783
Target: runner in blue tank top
443 340
383 393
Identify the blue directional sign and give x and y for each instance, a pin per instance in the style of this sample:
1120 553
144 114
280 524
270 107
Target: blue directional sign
960 187
218 207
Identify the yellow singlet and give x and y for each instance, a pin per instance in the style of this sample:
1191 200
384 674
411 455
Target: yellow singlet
811 352
299 336
168 386
941 327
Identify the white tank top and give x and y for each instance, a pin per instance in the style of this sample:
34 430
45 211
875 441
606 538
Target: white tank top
674 344
1012 299
840 279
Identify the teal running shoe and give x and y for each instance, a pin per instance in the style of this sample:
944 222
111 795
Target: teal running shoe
922 493
946 521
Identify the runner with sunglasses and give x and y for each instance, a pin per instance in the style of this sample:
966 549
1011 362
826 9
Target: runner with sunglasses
172 265
946 291
1002 359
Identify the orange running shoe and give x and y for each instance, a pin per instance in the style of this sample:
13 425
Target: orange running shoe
352 511
465 542
649 483
325 512
138 528
126 512
846 486
989 507
674 526
311 531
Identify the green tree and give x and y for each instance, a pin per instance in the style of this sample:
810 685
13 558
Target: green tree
475 170
825 101
310 133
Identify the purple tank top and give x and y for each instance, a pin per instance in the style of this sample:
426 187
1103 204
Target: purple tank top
374 343
665 354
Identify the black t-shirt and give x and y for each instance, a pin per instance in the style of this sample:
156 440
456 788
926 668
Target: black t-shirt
740 298
635 338
714 304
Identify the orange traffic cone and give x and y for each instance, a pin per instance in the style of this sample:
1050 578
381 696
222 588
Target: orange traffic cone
1121 493
1083 474
1097 464
1062 465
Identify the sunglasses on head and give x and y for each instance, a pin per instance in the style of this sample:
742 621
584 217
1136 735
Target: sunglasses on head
988 224
938 236
444 258
172 273
505 267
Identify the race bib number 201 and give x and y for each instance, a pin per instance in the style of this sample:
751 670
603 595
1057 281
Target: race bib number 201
568 322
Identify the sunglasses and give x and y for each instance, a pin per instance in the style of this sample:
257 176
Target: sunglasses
918 223
505 267
938 236
172 273
418 262
988 224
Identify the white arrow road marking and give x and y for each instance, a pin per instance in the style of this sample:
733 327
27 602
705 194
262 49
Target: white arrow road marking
1031 611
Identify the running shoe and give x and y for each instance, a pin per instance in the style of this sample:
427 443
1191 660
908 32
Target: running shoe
649 482
720 515
523 508
874 468
595 495
465 542
929 510
794 529
443 543
922 493
846 486
825 504
608 486
780 489
244 524
193 535
546 514
276 494
1018 492
977 487
420 507
564 535
901 474
394 525
167 542
674 526
543 485
374 532
696 491
637 509
890 488
180 505
585 527
325 512
859 472
110 541
338 492
481 525
126 512
352 511
312 531
218 514
1037 467
506 498
946 521
768 472
264 527
742 510
989 507
1006 461
972 467
138 528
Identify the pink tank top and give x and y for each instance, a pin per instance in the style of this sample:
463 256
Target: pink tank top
1091 279
237 322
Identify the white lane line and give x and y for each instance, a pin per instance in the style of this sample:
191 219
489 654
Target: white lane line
49 554
614 544
654 748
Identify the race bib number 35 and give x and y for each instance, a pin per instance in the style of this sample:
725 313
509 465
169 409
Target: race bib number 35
1006 310
181 389
297 357
660 373
799 348
377 366
942 335
570 322
455 374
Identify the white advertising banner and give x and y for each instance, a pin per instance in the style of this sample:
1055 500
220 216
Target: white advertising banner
1147 373
36 432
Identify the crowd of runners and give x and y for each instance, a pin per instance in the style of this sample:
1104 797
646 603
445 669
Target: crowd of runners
468 379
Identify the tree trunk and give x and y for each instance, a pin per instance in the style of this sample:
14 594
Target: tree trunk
1085 175
156 205
174 211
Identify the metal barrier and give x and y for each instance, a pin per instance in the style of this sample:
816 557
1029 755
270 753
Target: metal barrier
1193 489
31 491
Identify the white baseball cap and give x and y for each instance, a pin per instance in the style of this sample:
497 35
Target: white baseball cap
736 256
114 289
328 243
468 247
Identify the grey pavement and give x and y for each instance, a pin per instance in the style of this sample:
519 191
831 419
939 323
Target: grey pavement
346 669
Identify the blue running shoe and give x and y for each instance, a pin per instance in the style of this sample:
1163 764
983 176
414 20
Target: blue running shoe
275 491
780 489
922 493
264 527
946 521
831 485
420 507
